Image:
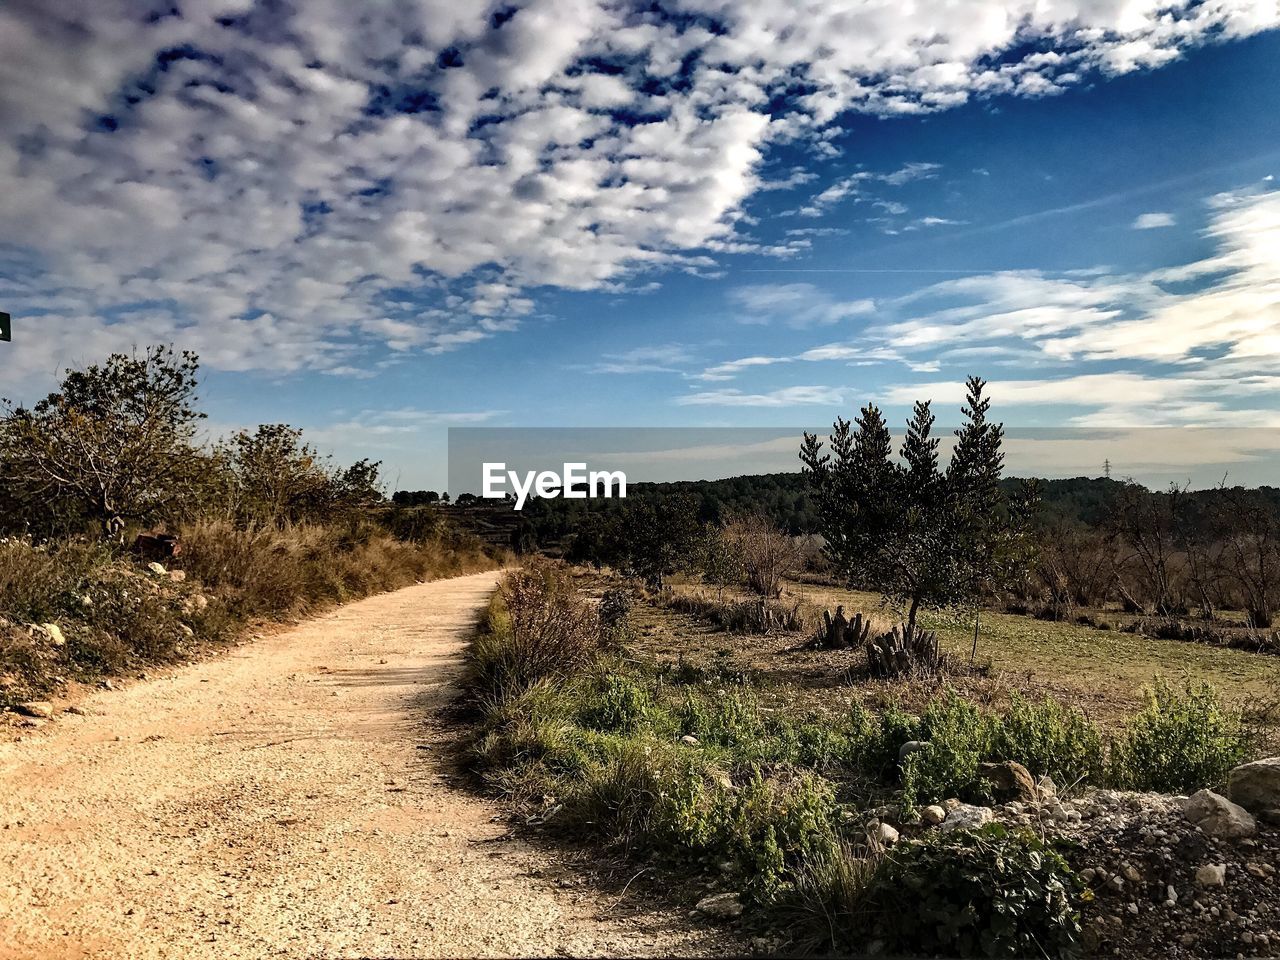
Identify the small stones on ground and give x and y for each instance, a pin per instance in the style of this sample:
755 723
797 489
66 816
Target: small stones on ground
178 576
720 906
157 568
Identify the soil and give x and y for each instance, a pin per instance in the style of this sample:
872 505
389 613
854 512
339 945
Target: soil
293 798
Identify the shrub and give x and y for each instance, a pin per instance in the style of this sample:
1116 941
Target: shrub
650 795
619 704
615 615
959 736
777 823
757 616
986 893
1050 740
1181 741
546 632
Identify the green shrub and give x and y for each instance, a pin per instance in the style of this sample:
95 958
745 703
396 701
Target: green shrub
1050 740
958 737
727 718
777 823
987 893
618 703
647 795
1181 741
876 753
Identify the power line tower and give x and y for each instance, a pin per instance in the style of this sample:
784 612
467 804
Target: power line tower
1106 468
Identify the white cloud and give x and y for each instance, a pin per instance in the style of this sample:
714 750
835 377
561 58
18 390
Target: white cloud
785 397
1199 341
1154 221
239 179
667 358
797 304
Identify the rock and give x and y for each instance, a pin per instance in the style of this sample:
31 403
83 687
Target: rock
1270 816
157 568
107 685
1211 875
721 906
186 631
177 576
200 601
933 815
689 740
1256 786
53 633
76 711
1216 816
40 709
884 834
1009 780
908 748
1131 873
1047 788
966 816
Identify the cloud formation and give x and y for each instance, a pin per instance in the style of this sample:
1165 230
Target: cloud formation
318 184
1200 340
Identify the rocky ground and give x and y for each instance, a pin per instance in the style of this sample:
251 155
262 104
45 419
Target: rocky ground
1166 876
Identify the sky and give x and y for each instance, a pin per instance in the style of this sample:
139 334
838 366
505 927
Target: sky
377 221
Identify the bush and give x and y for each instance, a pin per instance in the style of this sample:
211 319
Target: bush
958 737
544 631
615 615
1181 741
986 893
1050 740
757 616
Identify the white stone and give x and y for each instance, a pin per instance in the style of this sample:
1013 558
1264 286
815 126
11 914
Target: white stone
1211 875
1216 816
966 816
721 906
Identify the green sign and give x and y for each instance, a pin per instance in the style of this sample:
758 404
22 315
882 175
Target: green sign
6 331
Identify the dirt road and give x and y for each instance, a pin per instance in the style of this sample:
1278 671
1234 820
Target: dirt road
288 799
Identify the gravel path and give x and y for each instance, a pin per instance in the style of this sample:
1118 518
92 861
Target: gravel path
288 799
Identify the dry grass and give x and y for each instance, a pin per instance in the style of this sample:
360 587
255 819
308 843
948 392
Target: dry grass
282 573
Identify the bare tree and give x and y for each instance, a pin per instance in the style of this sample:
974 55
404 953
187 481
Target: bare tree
1249 530
768 554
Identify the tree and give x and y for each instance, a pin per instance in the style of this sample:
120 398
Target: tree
1249 528
279 478
652 538
908 529
114 443
766 554
718 559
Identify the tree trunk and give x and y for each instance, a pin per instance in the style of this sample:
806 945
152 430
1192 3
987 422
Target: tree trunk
977 615
911 617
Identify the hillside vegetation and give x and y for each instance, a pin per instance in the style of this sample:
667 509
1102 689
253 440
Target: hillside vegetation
257 527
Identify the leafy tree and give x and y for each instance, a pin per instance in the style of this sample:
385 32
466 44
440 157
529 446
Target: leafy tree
115 443
652 538
278 478
917 533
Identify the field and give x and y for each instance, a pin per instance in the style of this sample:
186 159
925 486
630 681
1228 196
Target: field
1102 671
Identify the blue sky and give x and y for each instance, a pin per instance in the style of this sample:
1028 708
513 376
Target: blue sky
379 221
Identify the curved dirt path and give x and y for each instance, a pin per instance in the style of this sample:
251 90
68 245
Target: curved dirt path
288 799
